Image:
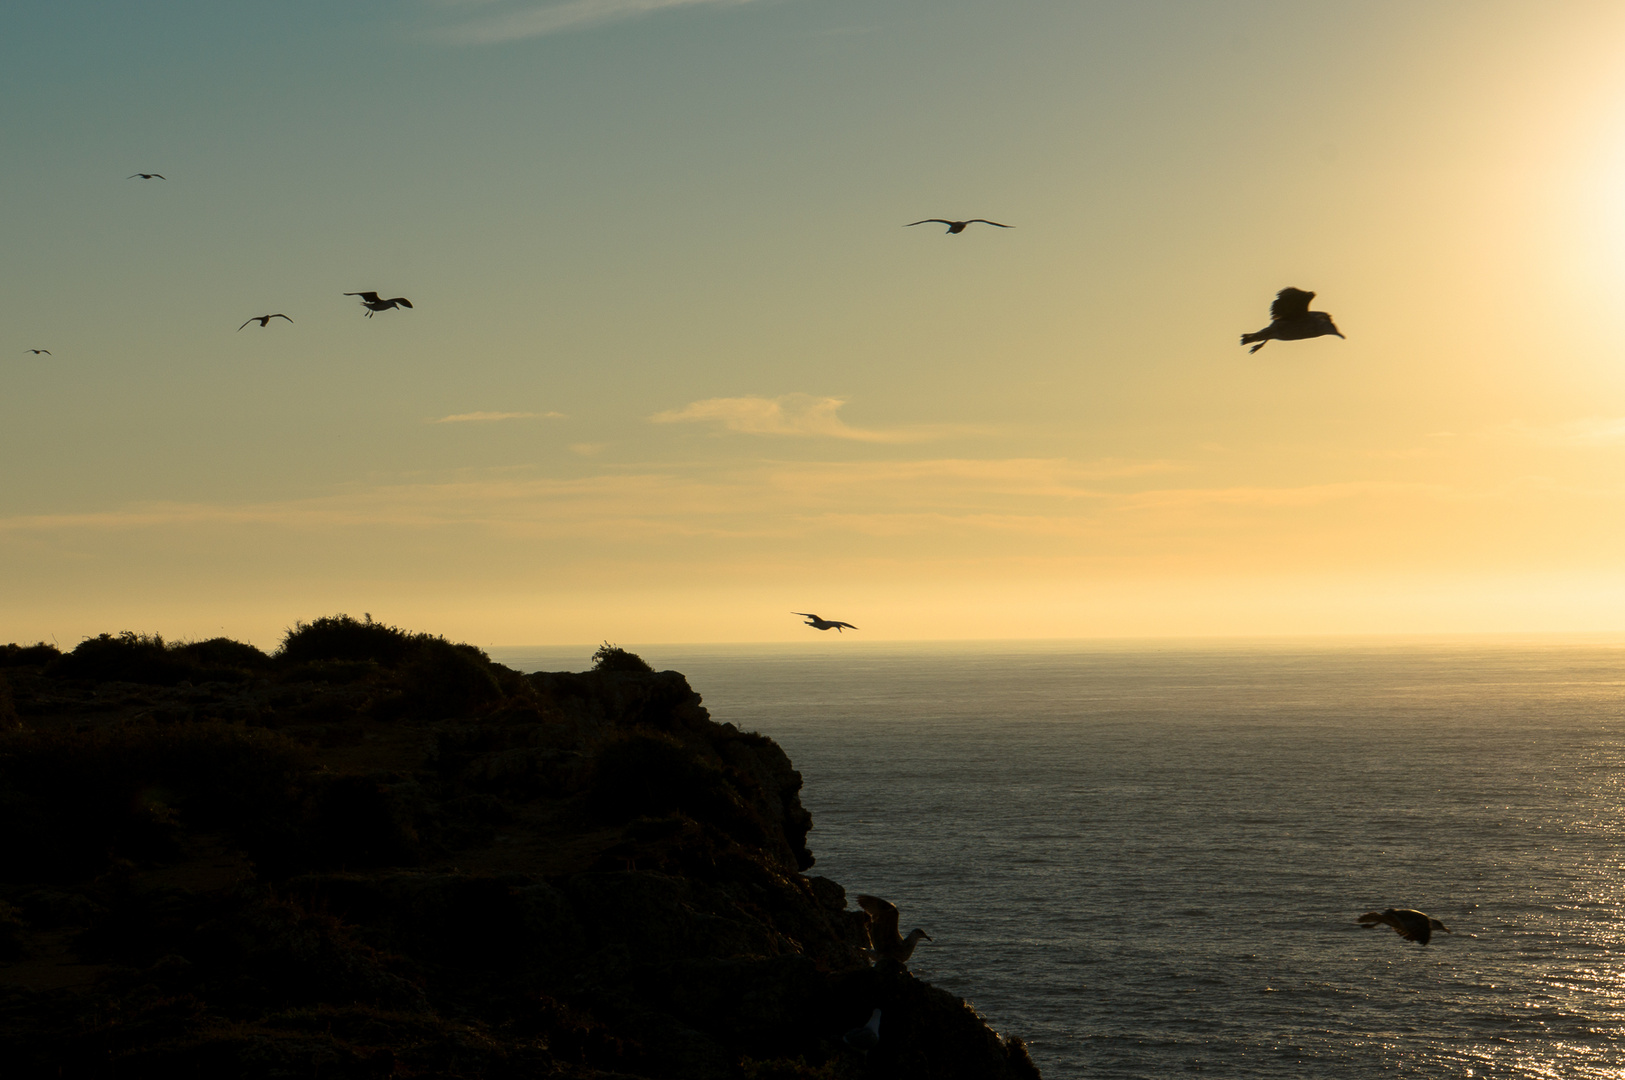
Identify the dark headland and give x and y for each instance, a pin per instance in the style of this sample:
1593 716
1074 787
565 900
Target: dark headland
376 853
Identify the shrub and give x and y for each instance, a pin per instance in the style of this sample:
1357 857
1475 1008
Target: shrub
340 637
36 655
614 658
222 652
126 657
446 680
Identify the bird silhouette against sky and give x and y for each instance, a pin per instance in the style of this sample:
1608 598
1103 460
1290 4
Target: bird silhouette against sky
373 304
264 320
1291 320
37 352
956 226
822 624
1408 923
883 936
145 176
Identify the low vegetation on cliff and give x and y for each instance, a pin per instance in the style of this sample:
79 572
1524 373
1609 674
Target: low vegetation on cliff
378 853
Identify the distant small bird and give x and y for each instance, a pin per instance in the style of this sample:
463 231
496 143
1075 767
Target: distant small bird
264 320
956 226
867 1037
883 936
370 301
1291 320
1408 923
822 624
38 352
145 176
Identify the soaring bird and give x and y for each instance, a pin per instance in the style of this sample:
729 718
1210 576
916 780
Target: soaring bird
883 936
145 176
264 320
370 301
822 624
1291 320
38 352
867 1037
956 226
1408 923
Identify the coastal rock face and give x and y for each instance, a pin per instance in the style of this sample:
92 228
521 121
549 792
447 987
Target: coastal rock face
380 854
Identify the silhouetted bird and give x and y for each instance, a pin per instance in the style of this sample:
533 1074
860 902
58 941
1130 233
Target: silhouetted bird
264 320
956 226
1408 923
145 176
371 302
883 937
37 352
822 624
867 1037
1291 320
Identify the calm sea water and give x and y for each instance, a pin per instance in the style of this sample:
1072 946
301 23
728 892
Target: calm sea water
1148 862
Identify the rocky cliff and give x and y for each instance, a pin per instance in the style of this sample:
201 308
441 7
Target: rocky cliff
380 854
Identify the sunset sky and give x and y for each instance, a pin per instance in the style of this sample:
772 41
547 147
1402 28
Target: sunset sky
676 369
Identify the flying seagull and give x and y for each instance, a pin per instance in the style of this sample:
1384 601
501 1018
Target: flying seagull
867 1037
1291 320
264 320
145 176
1408 923
37 352
371 302
883 936
956 226
822 624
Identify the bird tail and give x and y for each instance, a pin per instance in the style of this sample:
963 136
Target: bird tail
1260 336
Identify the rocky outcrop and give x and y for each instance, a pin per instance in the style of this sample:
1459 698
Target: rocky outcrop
378 854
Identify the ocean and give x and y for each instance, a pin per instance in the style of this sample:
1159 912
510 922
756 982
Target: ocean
1147 860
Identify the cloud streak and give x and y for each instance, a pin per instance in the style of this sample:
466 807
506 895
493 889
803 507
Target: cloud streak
492 417
530 20
793 414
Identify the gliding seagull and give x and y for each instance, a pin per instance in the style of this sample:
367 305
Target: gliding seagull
37 352
264 320
370 301
822 624
956 226
145 176
1408 923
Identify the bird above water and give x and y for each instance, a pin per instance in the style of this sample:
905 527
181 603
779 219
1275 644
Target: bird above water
145 176
370 301
822 624
264 320
38 352
883 936
956 226
1291 320
1408 923
867 1037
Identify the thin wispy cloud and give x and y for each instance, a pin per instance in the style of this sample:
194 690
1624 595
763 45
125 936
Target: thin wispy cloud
530 19
793 414
493 417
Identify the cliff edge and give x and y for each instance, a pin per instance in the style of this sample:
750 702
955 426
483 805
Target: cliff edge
377 853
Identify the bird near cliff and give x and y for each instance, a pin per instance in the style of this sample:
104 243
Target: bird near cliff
867 1037
955 226
884 940
263 320
39 352
1408 923
370 301
1291 320
822 624
146 176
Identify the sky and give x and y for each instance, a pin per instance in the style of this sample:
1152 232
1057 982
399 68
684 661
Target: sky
675 369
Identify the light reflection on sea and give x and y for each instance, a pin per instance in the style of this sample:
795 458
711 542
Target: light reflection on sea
1149 862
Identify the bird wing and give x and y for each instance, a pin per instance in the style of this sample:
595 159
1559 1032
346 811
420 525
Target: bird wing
401 300
1377 918
159 176
804 614
924 221
883 920
278 315
985 221
366 297
240 328
1291 304
848 625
